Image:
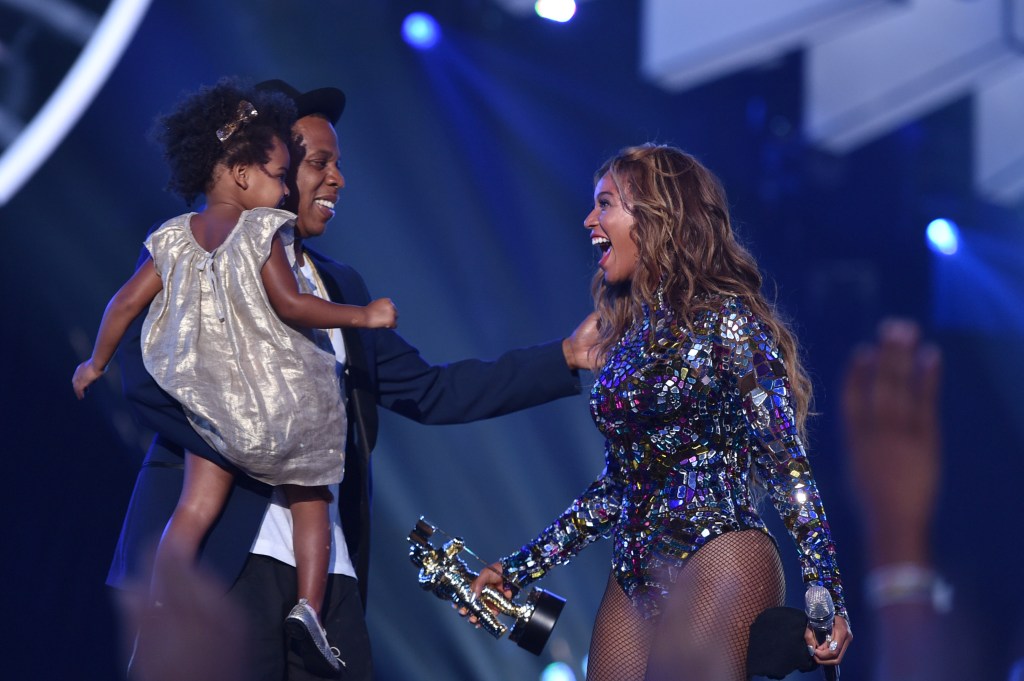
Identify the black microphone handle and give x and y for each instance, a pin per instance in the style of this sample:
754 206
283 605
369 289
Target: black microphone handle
831 672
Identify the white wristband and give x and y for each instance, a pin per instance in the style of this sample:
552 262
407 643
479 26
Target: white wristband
908 583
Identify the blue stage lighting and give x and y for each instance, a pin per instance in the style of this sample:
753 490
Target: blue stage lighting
555 10
421 30
557 671
943 236
74 94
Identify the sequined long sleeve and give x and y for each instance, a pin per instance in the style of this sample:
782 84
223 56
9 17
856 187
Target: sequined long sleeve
751 356
592 515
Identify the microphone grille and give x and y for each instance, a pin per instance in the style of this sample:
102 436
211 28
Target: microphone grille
818 606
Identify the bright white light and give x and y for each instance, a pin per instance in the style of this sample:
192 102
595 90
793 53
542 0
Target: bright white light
557 671
421 30
74 94
943 236
555 10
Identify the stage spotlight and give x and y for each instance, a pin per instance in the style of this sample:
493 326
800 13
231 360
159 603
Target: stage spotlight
41 28
557 671
555 10
943 236
421 30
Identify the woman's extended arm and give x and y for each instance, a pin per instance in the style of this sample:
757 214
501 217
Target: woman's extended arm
591 515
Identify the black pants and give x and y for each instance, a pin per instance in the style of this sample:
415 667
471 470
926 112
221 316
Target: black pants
266 590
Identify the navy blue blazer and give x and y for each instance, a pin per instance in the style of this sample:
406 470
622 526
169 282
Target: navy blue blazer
382 369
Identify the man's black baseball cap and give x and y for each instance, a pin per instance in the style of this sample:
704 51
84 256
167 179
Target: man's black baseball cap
329 101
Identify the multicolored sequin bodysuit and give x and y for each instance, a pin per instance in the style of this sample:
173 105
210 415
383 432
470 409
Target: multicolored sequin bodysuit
688 417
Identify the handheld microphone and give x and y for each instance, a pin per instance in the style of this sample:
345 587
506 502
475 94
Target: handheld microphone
821 612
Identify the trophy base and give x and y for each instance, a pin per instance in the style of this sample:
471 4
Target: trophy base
533 634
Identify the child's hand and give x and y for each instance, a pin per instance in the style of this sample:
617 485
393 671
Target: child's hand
381 314
85 375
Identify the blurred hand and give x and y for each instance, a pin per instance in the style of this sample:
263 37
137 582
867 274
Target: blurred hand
195 633
890 410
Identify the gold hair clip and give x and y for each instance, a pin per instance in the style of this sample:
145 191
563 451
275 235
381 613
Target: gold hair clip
245 113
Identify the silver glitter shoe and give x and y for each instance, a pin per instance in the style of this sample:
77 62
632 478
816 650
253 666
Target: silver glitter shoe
317 654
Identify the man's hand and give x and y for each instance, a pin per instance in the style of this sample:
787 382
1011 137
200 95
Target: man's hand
580 347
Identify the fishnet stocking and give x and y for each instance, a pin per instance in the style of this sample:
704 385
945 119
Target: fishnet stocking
702 632
705 627
621 640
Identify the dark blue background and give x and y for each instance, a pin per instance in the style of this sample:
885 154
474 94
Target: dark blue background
469 172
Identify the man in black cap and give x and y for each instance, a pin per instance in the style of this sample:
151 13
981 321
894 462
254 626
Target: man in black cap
250 546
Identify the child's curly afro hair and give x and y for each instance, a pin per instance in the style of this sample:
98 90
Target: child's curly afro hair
189 139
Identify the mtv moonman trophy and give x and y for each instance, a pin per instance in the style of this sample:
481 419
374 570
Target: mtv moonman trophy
444 572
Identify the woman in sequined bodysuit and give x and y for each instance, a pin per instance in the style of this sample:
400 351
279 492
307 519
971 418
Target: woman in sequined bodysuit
701 399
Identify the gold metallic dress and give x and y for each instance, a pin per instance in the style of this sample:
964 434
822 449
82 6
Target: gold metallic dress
266 396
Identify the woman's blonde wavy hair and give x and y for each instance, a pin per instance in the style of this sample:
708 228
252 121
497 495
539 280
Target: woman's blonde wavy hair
686 248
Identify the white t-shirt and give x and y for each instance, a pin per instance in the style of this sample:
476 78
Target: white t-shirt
274 538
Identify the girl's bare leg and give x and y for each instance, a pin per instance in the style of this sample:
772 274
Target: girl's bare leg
203 495
311 540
